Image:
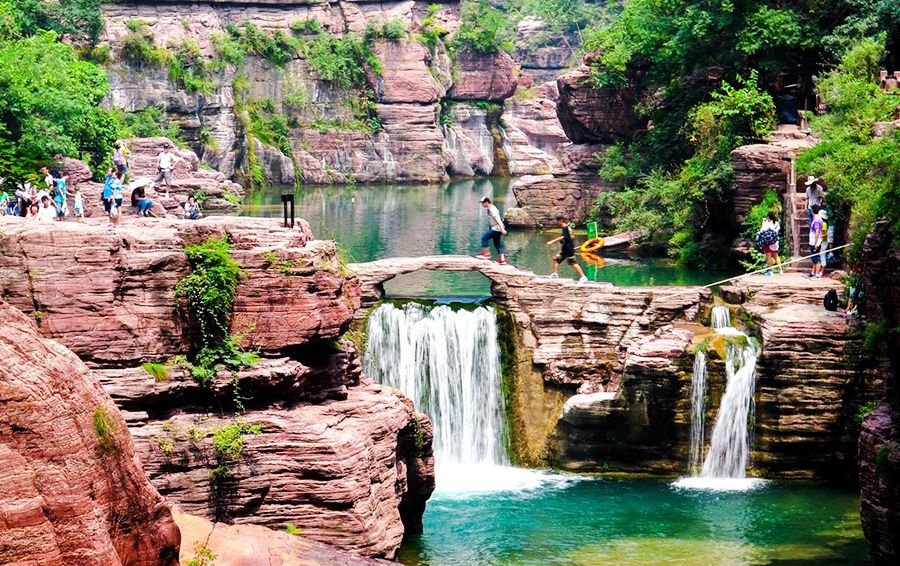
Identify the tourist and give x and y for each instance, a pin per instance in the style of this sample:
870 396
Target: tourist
118 193
495 231
166 163
140 201
78 205
4 201
191 209
768 231
46 212
815 241
823 245
854 291
814 194
27 197
120 157
567 252
106 197
60 197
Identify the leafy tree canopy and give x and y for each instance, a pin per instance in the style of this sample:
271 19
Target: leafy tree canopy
80 19
49 104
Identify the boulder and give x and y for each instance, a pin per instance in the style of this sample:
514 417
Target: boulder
278 168
251 545
484 77
71 488
592 115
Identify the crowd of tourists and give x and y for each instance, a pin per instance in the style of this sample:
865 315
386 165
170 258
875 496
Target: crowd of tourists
50 197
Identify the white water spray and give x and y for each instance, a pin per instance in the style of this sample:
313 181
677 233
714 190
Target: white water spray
448 362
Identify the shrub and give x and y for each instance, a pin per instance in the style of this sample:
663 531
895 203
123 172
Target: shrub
392 30
293 529
188 69
231 51
139 47
484 29
80 19
429 30
342 60
309 26
203 555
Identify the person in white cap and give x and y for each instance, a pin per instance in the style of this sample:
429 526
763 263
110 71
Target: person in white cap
814 194
496 230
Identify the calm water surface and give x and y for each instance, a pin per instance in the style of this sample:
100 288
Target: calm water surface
640 522
374 222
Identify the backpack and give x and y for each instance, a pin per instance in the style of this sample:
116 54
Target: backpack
831 300
766 238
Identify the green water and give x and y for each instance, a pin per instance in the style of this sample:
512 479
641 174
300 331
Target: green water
641 521
374 222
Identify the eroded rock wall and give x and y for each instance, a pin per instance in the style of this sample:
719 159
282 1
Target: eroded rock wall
71 488
347 461
879 440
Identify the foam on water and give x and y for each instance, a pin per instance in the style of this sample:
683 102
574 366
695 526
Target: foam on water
467 480
719 484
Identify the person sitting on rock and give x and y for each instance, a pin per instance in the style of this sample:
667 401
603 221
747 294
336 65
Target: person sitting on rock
46 212
140 201
191 209
567 252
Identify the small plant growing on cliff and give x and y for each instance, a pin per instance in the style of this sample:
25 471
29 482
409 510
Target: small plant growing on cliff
159 372
309 26
228 442
105 429
420 437
293 529
864 410
38 317
203 555
208 293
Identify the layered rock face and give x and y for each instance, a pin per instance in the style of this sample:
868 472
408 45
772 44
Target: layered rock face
71 488
327 141
879 440
322 447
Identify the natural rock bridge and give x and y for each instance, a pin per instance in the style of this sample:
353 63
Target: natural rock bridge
373 275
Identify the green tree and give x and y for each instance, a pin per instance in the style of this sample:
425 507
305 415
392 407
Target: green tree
49 105
484 29
80 19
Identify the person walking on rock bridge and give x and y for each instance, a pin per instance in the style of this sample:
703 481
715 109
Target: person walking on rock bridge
495 232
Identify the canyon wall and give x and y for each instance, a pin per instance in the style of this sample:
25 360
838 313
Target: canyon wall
879 440
72 490
319 445
422 113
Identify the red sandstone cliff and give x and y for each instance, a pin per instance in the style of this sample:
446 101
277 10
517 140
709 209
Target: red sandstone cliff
72 491
346 460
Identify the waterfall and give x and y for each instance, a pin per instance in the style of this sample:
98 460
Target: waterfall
729 451
725 465
448 362
698 412
721 317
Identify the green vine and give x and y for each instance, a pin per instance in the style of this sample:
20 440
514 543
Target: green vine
208 293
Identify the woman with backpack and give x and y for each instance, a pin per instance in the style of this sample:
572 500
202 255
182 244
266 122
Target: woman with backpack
767 239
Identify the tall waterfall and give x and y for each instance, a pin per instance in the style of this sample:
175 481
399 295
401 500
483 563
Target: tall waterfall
729 451
725 464
448 362
698 412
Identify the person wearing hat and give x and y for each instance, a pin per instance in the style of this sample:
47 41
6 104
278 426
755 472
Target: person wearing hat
814 194
120 157
495 231
816 239
166 162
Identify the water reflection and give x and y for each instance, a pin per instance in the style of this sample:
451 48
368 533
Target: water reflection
374 222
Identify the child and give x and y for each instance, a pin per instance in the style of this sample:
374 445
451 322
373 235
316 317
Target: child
567 252
78 205
46 211
117 196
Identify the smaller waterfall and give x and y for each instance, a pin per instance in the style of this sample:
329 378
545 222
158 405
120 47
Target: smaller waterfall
729 450
725 464
698 412
721 317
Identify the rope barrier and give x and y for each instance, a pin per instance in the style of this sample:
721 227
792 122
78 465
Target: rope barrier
761 270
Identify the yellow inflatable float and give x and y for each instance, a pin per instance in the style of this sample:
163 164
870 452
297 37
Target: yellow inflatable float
592 245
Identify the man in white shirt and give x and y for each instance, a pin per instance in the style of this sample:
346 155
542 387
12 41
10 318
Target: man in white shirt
494 233
166 162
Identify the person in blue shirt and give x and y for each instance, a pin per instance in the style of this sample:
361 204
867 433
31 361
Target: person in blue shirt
60 197
107 195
